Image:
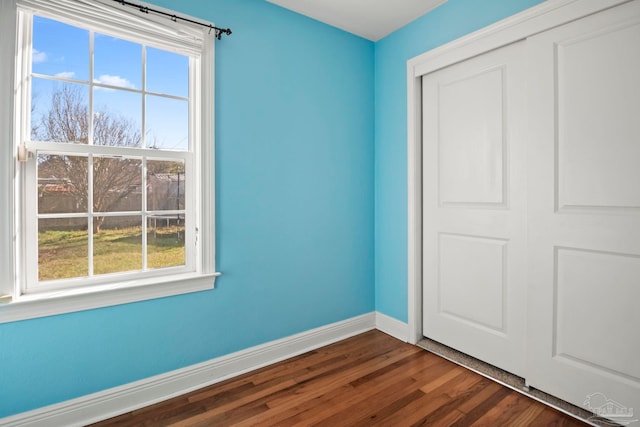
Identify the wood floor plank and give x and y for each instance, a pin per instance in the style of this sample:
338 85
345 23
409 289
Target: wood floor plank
473 401
443 379
367 380
484 406
504 412
455 395
436 403
362 408
399 410
529 415
316 385
357 409
235 402
551 418
354 393
312 388
450 418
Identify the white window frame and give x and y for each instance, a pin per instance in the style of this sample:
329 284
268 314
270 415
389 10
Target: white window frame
19 302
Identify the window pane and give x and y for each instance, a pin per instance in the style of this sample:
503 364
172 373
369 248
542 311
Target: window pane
62 248
62 184
167 72
117 244
117 117
165 241
117 184
167 124
117 62
165 185
60 50
59 111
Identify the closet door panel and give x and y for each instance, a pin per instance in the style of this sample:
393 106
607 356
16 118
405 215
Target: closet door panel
474 228
597 118
584 211
471 140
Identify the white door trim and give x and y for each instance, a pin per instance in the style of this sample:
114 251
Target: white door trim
547 15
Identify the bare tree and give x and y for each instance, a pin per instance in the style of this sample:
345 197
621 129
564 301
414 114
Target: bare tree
114 178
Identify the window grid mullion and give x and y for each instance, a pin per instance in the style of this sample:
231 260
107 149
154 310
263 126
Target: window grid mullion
143 196
91 61
90 214
143 121
90 158
143 190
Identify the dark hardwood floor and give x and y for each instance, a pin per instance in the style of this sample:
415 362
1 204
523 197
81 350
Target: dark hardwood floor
367 380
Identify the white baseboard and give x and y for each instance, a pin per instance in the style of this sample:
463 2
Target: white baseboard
393 327
119 400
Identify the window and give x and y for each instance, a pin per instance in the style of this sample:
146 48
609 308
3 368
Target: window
113 148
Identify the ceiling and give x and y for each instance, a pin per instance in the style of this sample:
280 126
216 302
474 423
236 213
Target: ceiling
371 19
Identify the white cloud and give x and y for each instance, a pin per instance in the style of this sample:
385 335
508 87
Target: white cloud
107 79
38 57
66 74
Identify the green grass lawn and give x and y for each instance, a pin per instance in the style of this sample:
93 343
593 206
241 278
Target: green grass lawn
63 254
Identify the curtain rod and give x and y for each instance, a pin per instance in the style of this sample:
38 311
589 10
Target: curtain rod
144 9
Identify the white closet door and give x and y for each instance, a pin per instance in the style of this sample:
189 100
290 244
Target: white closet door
474 205
584 211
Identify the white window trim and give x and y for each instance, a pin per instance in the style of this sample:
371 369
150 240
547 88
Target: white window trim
181 37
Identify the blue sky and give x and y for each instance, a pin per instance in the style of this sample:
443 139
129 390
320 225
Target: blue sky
62 51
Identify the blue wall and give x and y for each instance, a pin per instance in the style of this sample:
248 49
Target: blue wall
294 136
446 23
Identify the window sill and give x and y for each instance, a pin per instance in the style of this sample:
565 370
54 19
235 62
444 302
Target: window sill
68 301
